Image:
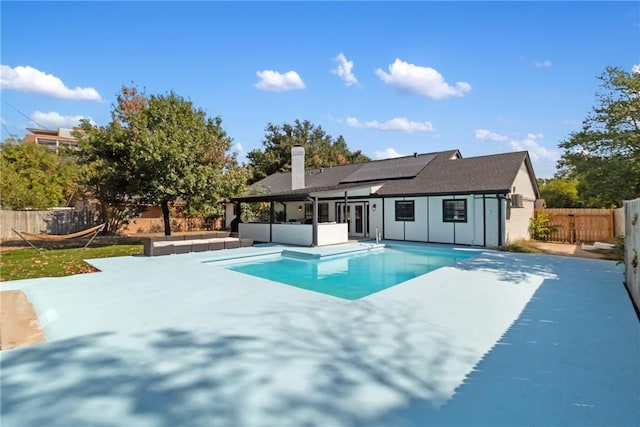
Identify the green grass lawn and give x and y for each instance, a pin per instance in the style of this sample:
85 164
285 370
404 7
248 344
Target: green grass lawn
28 264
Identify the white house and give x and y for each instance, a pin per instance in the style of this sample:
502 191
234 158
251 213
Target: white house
436 197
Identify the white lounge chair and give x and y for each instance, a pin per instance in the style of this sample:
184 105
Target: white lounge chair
597 245
601 245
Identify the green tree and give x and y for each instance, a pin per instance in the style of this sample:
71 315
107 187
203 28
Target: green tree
208 204
160 149
320 149
34 177
604 157
559 193
106 175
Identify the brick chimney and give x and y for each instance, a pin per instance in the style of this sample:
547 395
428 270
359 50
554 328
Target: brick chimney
297 167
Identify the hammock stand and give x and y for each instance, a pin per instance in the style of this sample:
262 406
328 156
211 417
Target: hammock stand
59 237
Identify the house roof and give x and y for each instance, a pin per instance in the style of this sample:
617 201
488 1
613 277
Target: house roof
444 172
43 131
483 174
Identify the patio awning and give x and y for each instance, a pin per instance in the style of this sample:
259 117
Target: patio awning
334 191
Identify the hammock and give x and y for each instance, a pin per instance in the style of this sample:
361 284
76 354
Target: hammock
59 237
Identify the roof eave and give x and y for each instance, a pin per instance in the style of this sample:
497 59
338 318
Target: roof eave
271 198
532 175
308 194
502 191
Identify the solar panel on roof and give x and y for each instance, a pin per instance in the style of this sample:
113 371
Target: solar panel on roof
403 167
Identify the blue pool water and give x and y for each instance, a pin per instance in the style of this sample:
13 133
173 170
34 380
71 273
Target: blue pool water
352 276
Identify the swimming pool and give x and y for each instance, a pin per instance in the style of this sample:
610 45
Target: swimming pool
355 275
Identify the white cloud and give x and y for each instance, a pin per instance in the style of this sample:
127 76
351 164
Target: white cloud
28 79
543 64
353 122
277 82
529 143
389 153
238 148
53 120
422 80
536 151
398 124
344 70
635 68
487 135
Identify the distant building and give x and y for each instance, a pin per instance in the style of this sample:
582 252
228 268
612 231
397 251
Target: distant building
52 139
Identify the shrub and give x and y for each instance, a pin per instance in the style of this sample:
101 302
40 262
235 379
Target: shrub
540 226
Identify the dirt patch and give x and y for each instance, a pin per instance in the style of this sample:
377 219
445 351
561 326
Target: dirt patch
19 324
567 249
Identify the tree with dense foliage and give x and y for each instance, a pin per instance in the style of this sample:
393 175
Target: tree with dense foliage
107 179
320 149
158 150
34 177
604 157
559 193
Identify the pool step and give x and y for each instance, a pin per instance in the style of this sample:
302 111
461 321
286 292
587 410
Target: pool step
305 255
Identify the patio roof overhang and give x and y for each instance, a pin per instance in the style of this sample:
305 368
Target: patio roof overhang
307 193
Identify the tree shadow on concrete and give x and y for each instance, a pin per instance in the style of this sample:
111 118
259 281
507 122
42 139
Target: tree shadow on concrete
304 367
513 267
567 358
572 358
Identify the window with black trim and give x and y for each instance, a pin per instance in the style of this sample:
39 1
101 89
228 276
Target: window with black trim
454 210
405 210
323 211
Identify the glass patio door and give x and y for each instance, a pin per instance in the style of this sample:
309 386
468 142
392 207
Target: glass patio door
356 215
357 222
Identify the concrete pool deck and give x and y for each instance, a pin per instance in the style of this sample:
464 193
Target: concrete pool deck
498 339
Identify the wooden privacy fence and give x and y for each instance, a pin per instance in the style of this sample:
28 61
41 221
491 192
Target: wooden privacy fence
156 225
581 225
66 221
618 222
46 222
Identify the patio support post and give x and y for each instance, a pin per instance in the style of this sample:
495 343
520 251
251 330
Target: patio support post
235 227
271 219
315 222
484 220
344 213
501 221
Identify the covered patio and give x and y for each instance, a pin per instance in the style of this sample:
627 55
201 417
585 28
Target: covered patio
311 217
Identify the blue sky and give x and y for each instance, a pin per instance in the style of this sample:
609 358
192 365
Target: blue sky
392 78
